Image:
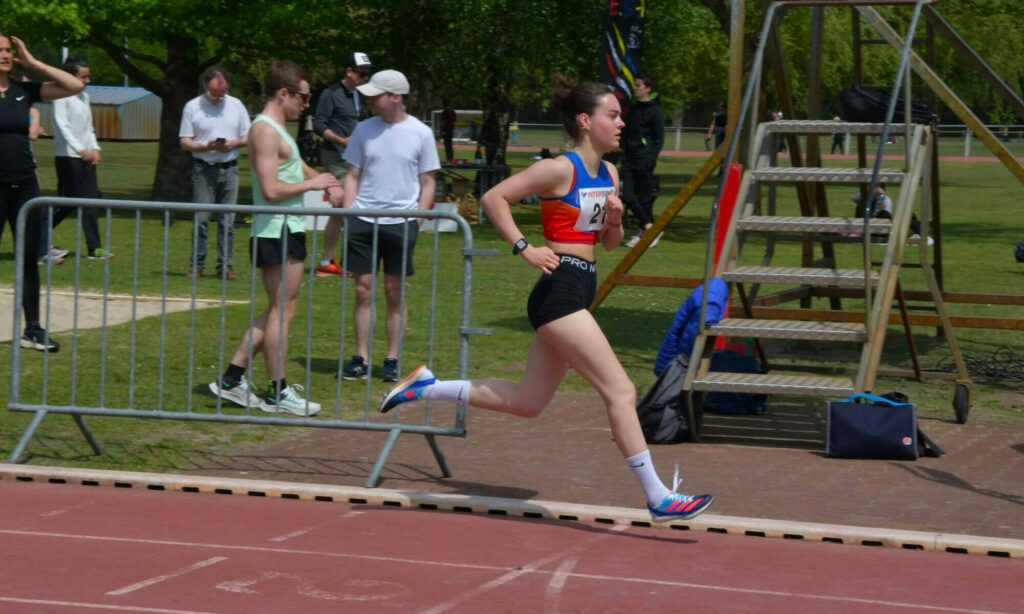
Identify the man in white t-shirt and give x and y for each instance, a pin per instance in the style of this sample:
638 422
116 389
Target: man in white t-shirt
392 158
213 127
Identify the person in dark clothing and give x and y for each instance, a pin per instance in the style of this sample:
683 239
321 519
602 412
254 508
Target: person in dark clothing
18 182
448 130
718 123
643 138
337 112
837 138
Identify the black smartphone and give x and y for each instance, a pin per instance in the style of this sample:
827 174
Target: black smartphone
220 140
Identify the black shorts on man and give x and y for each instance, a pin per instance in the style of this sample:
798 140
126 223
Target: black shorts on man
393 241
269 251
570 288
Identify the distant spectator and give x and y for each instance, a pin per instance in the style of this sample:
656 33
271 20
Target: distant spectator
881 207
339 110
718 124
214 126
837 138
642 140
448 130
782 139
77 154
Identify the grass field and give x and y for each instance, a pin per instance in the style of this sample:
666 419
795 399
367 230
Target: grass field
982 214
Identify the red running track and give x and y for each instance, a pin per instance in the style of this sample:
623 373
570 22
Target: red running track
81 549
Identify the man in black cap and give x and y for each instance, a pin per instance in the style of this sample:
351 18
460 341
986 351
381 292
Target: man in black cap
339 110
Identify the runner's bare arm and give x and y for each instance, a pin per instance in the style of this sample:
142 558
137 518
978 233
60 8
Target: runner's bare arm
611 234
551 177
264 151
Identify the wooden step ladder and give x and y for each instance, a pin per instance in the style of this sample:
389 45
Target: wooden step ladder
879 279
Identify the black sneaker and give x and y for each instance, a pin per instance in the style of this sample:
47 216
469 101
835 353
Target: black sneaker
389 372
34 338
355 368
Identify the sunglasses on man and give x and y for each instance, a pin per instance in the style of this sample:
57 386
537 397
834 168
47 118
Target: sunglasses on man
303 96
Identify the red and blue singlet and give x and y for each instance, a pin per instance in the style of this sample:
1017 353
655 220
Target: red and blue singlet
579 215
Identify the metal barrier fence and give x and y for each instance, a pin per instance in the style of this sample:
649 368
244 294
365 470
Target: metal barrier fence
157 367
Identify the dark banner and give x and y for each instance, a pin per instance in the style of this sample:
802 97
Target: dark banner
622 43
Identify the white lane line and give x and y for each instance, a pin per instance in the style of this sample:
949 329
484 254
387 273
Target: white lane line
299 532
287 536
78 605
65 509
428 563
519 571
553 593
167 576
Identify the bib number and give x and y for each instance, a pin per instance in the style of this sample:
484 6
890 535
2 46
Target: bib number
592 208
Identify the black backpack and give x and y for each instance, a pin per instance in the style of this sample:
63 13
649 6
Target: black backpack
661 412
870 104
735 403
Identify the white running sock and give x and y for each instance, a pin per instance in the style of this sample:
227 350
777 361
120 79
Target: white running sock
643 469
325 262
455 390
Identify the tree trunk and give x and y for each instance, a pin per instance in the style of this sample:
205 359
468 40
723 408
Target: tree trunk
172 182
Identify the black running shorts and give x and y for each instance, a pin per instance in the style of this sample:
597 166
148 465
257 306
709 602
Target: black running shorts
393 240
268 251
570 288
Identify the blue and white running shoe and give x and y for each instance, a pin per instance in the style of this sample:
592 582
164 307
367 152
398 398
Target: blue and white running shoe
409 389
679 507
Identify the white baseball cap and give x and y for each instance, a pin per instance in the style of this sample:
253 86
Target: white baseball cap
390 81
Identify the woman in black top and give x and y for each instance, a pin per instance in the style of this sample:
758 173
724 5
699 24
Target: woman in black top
18 183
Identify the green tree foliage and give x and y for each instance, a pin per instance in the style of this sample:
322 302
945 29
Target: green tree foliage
497 53
173 42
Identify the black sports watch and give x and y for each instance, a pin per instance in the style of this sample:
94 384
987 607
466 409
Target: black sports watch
519 246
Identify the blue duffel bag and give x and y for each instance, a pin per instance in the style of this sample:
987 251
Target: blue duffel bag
879 428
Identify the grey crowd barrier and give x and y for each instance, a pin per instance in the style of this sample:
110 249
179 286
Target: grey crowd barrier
156 358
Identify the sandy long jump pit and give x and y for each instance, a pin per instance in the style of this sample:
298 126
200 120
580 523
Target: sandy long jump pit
90 309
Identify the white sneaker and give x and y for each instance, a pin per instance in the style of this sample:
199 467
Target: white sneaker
656 239
290 401
239 394
633 241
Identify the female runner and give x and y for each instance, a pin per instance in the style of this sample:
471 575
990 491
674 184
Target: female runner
579 207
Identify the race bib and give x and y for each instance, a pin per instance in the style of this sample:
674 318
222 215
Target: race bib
592 208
